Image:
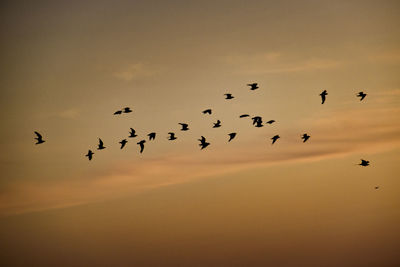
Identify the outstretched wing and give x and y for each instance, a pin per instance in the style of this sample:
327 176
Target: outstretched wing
39 136
100 142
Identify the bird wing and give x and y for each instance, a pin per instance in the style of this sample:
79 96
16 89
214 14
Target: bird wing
100 142
38 135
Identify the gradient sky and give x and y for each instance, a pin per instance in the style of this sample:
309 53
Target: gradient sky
67 66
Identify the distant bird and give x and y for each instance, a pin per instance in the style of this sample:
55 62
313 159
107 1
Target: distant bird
127 110
217 124
228 96
305 137
362 95
118 112
39 139
270 121
152 136
323 96
141 144
100 145
123 143
364 163
259 124
203 143
244 116
253 86
89 154
207 111
256 119
184 126
132 133
376 187
171 136
276 137
231 136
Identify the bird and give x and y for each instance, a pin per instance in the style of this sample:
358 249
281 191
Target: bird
376 187
123 143
323 96
127 110
118 112
100 145
256 119
364 163
39 138
141 144
231 136
362 95
217 124
184 126
203 143
171 136
276 137
253 86
89 154
270 121
228 96
259 124
244 116
152 136
132 133
207 111
305 137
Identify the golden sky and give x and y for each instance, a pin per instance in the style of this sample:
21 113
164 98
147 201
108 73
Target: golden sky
67 66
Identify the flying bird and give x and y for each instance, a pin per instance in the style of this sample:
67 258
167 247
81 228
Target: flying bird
323 96
253 86
123 143
39 138
184 126
270 121
217 124
256 119
259 124
141 144
118 112
276 137
207 111
364 163
244 116
305 137
376 187
100 145
171 136
228 96
89 154
362 95
203 143
127 110
132 133
231 136
152 136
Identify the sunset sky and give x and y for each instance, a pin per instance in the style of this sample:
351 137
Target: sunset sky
67 66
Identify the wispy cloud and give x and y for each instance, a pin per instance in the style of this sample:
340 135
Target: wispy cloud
135 71
71 113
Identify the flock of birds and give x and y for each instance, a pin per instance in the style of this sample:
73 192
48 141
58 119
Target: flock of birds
257 122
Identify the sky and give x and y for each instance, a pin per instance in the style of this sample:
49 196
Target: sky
68 66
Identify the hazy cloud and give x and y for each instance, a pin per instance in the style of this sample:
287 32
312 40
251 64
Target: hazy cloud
135 71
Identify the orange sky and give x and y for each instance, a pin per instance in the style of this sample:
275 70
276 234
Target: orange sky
68 66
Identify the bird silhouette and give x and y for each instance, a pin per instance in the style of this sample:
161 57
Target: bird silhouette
184 126
231 136
362 95
253 86
123 143
203 143
228 96
118 112
132 133
171 136
217 124
364 163
376 187
207 111
127 110
305 137
259 124
256 119
244 116
276 137
89 154
39 139
141 144
270 121
152 136
323 96
100 145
